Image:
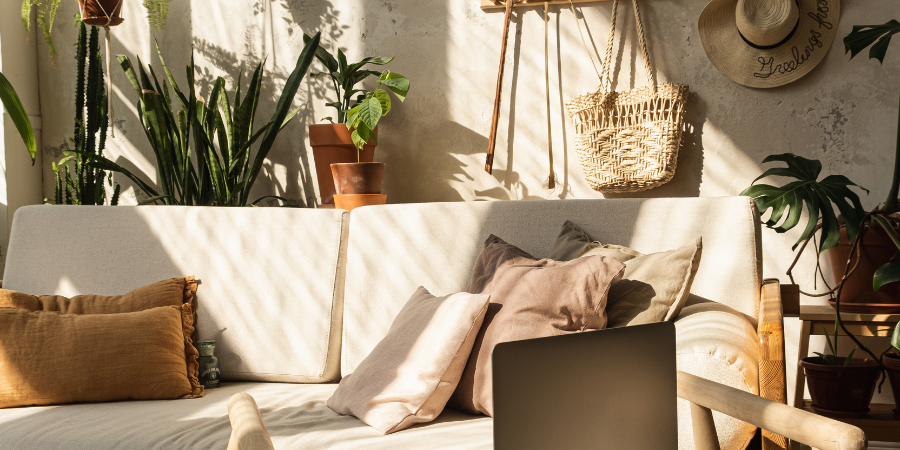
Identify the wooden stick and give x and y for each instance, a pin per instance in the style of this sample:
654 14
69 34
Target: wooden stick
551 182
489 163
491 5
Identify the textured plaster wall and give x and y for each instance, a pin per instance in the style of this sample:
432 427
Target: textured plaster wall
843 113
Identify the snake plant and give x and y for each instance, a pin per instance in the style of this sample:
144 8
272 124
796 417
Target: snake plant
221 130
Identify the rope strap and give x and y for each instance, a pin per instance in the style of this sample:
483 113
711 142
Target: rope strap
551 182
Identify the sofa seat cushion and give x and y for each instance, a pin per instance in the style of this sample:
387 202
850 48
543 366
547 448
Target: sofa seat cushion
295 415
718 343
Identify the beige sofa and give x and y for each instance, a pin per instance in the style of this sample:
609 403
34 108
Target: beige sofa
296 298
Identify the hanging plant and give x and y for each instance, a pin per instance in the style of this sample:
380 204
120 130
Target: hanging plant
46 12
157 13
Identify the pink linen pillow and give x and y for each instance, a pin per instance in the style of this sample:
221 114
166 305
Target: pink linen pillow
413 371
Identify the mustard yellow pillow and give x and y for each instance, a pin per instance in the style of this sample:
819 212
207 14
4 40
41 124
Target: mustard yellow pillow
169 292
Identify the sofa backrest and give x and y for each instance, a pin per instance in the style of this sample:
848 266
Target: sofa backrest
395 248
272 278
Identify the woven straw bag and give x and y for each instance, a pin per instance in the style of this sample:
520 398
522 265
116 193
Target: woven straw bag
628 141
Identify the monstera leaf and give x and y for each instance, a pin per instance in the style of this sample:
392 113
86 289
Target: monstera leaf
878 36
787 202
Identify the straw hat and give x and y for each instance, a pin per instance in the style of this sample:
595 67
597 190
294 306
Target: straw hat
767 43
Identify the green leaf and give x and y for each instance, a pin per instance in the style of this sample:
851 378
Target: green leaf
818 196
398 84
370 112
384 99
886 274
17 113
377 60
281 111
323 56
895 337
878 36
849 357
291 115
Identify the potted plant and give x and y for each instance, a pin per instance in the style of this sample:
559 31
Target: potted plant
224 174
93 12
832 379
840 386
351 136
818 196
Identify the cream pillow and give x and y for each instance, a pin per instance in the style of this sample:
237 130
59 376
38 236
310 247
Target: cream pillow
413 371
654 287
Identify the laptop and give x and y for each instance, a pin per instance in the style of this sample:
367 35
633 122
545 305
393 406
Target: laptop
609 389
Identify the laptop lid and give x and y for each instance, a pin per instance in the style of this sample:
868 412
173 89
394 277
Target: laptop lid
607 389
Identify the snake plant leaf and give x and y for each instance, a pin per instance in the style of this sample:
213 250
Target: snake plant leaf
291 115
817 195
886 274
281 111
102 162
17 113
878 36
895 337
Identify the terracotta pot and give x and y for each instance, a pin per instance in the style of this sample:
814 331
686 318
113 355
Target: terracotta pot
876 249
352 201
838 390
358 178
94 12
331 144
891 362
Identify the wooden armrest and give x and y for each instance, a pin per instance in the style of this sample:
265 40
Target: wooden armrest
772 380
248 432
796 424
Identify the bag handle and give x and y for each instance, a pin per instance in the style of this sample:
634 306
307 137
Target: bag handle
605 79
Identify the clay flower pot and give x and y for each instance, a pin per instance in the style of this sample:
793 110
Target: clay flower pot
358 178
841 391
891 362
331 144
101 12
876 249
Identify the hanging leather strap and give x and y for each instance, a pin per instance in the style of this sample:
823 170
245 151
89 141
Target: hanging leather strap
551 182
604 75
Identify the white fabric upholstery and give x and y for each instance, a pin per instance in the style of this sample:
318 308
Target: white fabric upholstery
719 344
272 278
295 416
395 248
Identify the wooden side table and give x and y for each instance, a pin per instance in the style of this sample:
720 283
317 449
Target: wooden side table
879 424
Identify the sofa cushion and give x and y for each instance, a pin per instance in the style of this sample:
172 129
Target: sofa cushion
169 292
412 372
48 357
718 343
295 416
436 244
530 298
653 288
272 277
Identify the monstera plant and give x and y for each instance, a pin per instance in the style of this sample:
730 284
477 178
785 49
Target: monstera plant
806 191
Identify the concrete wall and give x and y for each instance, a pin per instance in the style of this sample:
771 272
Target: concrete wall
843 113
20 184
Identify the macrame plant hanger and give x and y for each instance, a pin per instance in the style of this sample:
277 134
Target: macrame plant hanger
111 21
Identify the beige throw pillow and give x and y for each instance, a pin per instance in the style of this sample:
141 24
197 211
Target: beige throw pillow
413 371
654 287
